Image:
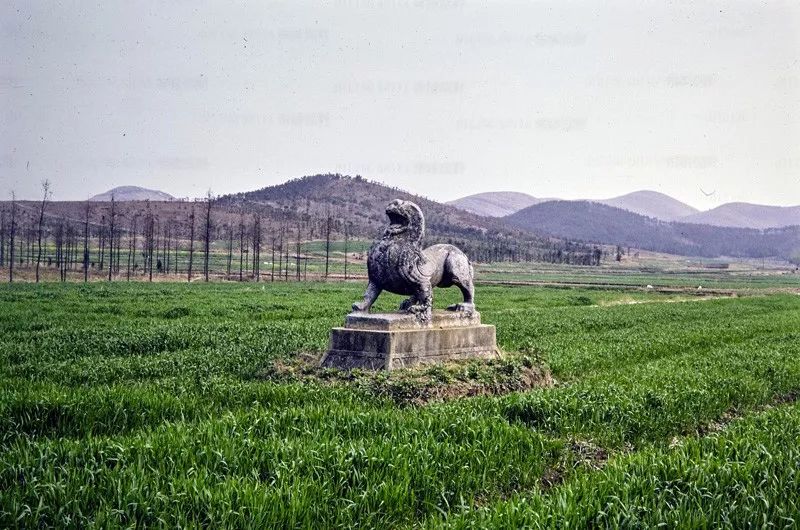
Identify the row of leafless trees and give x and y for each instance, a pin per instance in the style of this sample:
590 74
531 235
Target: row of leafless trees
147 244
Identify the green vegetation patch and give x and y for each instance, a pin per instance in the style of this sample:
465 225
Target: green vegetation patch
118 409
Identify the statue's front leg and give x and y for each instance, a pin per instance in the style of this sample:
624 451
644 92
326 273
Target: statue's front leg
370 296
423 306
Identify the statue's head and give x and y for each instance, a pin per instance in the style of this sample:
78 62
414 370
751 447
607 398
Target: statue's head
405 220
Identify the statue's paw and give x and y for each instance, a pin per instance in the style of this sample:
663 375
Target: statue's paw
359 306
406 304
422 312
464 306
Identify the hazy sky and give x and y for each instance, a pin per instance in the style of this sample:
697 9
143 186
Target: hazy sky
440 97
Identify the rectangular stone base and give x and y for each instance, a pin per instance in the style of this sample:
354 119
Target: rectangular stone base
397 340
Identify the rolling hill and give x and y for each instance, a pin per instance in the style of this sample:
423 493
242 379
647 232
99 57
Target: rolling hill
495 203
362 204
644 202
132 193
651 204
592 222
746 215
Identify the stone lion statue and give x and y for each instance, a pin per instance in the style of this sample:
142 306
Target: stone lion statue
397 263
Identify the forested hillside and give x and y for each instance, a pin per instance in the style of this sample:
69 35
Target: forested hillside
360 204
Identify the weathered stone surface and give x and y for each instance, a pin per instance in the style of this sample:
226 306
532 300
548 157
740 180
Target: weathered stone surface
396 321
398 264
394 340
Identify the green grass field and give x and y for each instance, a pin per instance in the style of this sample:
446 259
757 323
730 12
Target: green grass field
139 404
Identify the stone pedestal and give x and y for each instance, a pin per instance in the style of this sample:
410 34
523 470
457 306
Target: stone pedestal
384 341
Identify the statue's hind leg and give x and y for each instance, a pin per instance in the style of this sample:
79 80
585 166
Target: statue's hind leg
468 291
461 276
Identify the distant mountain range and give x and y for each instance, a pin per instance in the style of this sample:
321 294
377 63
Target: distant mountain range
592 222
650 204
132 193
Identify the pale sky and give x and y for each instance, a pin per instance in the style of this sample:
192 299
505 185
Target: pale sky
440 97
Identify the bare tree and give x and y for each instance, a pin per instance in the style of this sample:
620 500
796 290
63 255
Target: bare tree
288 247
346 233
191 244
112 217
177 247
101 236
175 260
272 271
149 242
155 249
230 248
207 238
280 253
45 196
297 253
119 247
167 242
86 245
241 246
12 233
2 238
257 246
327 244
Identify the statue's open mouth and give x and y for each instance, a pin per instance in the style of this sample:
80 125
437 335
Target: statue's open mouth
398 221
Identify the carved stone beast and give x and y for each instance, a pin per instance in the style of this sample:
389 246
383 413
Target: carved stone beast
397 263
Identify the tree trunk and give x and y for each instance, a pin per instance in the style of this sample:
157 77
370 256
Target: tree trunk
191 244
230 249
272 269
241 248
345 249
86 245
297 252
102 237
12 233
45 194
150 246
175 260
288 247
2 238
207 240
167 243
113 214
327 245
280 255
257 247
156 247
